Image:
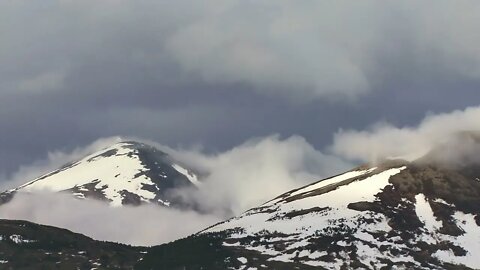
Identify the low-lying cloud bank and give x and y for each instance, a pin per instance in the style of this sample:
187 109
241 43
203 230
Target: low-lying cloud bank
384 140
255 172
144 225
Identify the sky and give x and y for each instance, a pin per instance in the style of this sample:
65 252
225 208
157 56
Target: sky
213 75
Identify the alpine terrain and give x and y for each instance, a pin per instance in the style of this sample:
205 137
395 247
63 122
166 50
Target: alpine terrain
125 173
395 215
423 214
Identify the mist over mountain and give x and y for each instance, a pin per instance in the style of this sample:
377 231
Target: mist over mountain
396 214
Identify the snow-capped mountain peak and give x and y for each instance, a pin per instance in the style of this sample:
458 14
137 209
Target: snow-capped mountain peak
125 173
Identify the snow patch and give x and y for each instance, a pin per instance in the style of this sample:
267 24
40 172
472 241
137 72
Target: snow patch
425 213
332 181
242 260
79 195
470 241
192 177
110 174
18 239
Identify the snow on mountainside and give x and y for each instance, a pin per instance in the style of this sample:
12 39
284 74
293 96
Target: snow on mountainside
125 173
397 215
378 217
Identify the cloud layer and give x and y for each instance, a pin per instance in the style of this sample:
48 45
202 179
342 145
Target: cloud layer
143 225
384 140
296 50
256 171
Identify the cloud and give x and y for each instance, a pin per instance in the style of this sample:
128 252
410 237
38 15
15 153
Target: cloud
256 171
143 225
295 50
284 48
326 49
459 151
384 140
46 81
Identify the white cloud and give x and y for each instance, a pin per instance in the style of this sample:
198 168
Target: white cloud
256 171
143 225
384 140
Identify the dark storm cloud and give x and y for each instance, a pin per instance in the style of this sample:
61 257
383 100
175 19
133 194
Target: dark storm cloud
216 73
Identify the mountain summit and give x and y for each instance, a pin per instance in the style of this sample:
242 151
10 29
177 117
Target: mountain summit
128 172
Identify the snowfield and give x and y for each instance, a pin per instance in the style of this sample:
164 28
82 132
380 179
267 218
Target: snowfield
113 174
289 227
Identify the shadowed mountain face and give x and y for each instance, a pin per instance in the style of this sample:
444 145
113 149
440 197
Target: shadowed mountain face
125 173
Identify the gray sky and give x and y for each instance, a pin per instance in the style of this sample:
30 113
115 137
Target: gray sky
218 73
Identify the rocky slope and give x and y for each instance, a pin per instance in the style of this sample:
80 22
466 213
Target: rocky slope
125 173
397 215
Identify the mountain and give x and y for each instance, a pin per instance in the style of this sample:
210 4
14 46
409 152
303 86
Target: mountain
125 173
25 245
396 215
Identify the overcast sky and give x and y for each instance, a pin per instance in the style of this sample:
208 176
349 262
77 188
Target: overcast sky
217 73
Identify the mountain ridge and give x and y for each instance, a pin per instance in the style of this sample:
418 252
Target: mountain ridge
396 215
